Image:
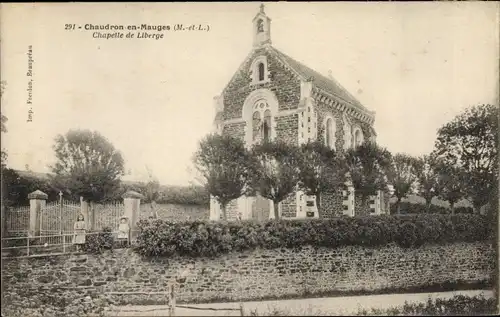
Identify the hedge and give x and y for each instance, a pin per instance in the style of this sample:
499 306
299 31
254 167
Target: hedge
204 238
416 208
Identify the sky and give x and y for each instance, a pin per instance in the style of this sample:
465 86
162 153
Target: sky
416 64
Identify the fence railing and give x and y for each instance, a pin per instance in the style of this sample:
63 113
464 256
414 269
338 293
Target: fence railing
48 244
59 216
107 215
17 220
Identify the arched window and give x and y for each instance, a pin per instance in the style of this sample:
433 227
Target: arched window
266 135
329 132
261 71
255 125
347 133
358 137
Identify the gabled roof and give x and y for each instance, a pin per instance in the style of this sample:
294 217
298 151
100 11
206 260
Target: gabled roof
320 81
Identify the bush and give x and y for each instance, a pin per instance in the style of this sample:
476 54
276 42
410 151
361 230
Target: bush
53 302
459 305
97 243
201 238
416 208
182 195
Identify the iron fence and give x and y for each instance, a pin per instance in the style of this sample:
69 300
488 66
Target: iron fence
49 244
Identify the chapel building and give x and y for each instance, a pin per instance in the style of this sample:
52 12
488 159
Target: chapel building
273 96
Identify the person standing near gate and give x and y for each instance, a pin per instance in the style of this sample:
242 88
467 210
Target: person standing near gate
123 232
80 228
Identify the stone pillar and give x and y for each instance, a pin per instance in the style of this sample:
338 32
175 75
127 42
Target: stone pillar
37 203
349 197
378 202
348 194
375 208
387 199
132 202
84 210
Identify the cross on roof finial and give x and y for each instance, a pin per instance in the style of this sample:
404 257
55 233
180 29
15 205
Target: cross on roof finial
261 8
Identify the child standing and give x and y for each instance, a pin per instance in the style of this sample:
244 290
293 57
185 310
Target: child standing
80 228
123 232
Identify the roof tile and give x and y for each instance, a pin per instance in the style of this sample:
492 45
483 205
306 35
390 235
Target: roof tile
320 81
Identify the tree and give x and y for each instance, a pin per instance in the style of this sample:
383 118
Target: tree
368 165
403 176
470 143
321 170
88 165
451 184
16 187
428 184
223 163
276 171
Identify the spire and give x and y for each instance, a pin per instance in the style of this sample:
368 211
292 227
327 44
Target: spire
261 28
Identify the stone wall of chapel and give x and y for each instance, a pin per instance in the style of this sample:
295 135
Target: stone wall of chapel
331 204
283 83
323 111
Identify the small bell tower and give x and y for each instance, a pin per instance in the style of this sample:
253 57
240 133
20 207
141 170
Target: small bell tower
261 28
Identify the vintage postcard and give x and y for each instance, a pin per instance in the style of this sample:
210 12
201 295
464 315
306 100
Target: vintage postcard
231 159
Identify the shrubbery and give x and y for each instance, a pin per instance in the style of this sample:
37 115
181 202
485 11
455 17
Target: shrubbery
98 242
198 238
182 195
415 208
53 302
459 305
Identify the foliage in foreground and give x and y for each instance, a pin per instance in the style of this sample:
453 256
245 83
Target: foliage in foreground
459 305
201 238
54 302
97 243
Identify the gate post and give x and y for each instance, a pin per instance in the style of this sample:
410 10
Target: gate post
84 210
172 299
37 203
132 202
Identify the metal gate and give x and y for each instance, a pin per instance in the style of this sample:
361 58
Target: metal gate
58 218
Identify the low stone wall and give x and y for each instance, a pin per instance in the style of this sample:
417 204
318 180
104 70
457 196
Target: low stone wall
257 274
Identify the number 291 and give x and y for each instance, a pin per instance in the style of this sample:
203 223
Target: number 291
69 26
